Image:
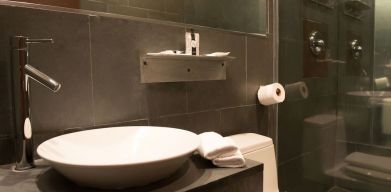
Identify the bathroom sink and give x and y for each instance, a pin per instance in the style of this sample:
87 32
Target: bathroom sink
372 98
370 93
119 157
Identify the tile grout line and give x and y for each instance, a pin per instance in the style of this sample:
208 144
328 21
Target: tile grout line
220 120
186 83
91 72
120 122
187 97
245 64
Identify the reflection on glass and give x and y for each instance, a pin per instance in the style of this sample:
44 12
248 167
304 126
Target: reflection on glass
249 16
244 15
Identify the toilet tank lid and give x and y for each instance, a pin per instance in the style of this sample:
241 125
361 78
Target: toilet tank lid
249 142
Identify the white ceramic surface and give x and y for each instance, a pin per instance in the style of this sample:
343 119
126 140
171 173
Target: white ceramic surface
370 93
119 157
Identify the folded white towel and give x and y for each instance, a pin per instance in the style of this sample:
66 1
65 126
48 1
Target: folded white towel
218 54
230 160
167 52
214 145
233 161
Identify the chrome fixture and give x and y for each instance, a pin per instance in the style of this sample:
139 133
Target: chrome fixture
22 72
317 44
357 49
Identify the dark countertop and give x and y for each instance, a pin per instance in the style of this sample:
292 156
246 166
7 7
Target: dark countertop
196 174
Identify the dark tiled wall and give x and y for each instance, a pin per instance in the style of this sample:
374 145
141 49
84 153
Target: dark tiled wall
252 17
96 58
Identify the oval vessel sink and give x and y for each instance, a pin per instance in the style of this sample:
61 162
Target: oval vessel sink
370 93
119 157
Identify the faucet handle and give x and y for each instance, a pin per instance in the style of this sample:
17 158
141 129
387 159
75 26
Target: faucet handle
21 42
40 40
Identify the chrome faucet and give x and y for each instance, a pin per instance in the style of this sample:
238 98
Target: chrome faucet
22 72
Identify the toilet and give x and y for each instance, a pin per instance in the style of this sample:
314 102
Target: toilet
260 148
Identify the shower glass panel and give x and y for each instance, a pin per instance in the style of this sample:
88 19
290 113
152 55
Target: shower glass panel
336 135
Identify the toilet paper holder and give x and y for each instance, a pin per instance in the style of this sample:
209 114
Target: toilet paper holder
271 94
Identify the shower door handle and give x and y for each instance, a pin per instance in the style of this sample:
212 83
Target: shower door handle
317 44
357 49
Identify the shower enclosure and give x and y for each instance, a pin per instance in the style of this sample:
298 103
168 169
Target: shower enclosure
336 134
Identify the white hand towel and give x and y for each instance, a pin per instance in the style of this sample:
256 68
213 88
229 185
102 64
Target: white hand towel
214 145
218 54
233 161
167 52
230 160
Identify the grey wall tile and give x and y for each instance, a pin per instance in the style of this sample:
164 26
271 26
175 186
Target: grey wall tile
175 6
93 5
162 98
177 121
6 121
290 13
195 122
118 95
131 11
259 65
7 150
219 94
157 5
68 64
252 119
141 122
290 130
166 98
290 62
117 2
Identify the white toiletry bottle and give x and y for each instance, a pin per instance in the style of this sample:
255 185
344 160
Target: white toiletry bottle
192 43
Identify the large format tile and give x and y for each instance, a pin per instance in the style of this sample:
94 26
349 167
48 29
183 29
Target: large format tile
231 92
67 61
118 95
260 68
289 18
157 5
162 98
246 119
290 63
290 130
6 123
7 150
195 122
166 99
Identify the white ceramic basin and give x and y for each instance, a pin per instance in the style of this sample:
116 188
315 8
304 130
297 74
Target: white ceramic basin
119 157
370 93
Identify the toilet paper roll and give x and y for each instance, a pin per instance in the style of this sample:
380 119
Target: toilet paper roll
298 90
382 83
271 94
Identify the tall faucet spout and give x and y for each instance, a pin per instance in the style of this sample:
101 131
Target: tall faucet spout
42 78
22 72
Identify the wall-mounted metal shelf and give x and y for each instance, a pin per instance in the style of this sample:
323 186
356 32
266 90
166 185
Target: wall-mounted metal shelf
355 8
179 68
